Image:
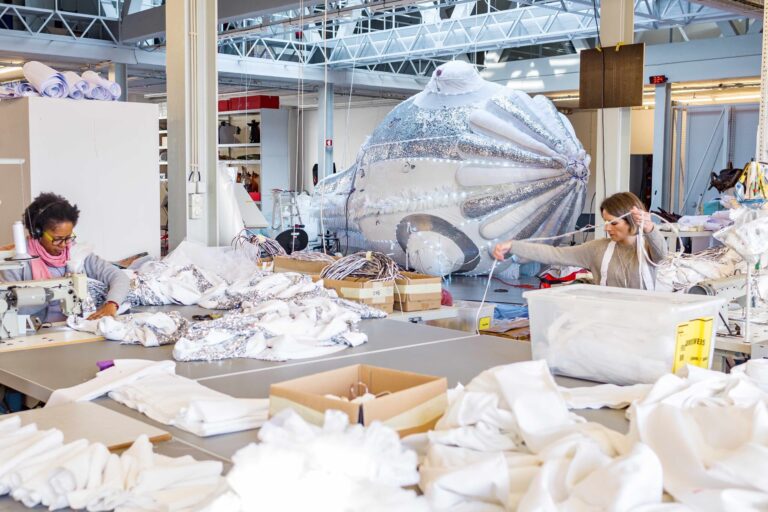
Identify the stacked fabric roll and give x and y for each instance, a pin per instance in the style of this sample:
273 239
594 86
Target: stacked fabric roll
45 81
77 86
100 88
38 468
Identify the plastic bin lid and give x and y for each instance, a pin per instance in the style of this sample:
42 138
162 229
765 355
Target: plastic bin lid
602 293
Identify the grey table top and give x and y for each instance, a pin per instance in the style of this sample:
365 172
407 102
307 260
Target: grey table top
39 372
459 360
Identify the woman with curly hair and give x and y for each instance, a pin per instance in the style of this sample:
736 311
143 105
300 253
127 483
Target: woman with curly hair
50 221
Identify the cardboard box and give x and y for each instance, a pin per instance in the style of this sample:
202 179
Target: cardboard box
378 294
287 264
418 292
413 402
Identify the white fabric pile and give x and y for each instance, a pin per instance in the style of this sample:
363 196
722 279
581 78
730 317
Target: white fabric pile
14 90
38 468
158 284
148 329
509 442
260 287
749 234
274 330
154 389
334 468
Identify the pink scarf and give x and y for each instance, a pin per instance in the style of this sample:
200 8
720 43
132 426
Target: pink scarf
40 265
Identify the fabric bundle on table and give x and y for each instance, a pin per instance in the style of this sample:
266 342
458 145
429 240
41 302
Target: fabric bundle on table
158 284
38 468
100 88
275 330
334 468
148 329
77 86
154 389
46 80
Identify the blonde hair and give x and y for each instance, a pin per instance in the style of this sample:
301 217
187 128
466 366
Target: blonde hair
621 204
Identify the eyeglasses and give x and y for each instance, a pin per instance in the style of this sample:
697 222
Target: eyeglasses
58 241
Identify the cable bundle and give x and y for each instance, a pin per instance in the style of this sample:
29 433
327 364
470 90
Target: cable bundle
267 247
312 256
371 266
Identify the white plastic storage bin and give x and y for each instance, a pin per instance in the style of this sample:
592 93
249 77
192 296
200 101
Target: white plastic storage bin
618 335
467 315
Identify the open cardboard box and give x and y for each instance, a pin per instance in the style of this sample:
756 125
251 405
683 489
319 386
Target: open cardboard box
418 292
379 294
288 264
413 404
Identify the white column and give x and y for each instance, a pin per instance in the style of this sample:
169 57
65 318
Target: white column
662 148
325 130
192 86
118 73
617 18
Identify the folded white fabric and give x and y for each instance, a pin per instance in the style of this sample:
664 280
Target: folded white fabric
95 81
77 86
756 370
148 329
337 467
186 404
46 80
123 372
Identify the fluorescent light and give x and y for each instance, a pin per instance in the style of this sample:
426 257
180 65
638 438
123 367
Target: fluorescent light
9 70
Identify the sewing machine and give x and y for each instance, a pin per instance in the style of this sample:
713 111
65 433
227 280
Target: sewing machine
734 290
70 290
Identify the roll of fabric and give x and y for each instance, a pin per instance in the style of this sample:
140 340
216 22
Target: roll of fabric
77 86
46 80
17 90
94 79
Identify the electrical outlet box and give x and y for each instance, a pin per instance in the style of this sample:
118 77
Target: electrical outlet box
195 206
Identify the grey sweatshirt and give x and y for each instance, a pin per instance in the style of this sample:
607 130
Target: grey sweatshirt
623 270
94 267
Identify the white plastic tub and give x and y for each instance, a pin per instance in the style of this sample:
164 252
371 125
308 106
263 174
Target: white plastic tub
618 335
467 315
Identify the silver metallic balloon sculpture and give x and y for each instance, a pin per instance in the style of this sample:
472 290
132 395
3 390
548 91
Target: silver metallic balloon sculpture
454 169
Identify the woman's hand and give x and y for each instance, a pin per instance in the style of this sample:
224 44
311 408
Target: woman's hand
108 309
501 250
643 218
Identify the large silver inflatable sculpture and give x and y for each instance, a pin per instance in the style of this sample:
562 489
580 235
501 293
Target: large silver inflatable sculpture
454 169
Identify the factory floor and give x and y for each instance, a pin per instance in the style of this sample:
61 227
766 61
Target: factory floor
472 288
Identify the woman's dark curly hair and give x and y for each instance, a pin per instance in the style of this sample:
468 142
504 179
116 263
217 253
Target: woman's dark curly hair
47 210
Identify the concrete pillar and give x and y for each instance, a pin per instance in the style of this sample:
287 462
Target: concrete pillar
325 130
617 18
662 148
192 86
118 73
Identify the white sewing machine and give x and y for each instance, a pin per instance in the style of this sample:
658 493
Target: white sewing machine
70 290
